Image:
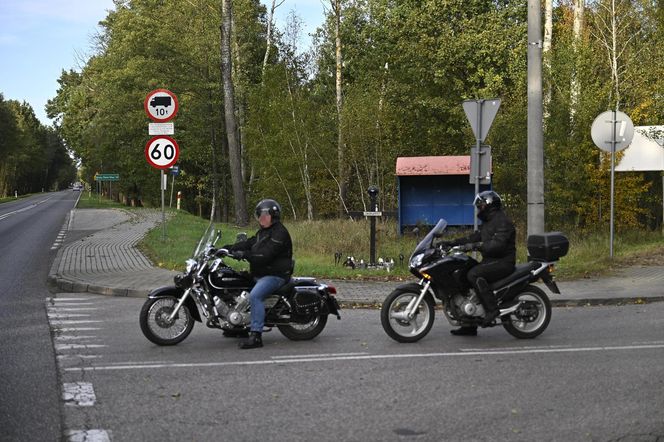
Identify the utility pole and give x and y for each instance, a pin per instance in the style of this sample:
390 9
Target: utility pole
535 121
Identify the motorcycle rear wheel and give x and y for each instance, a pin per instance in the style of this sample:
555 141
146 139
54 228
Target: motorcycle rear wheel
304 332
156 326
533 317
403 330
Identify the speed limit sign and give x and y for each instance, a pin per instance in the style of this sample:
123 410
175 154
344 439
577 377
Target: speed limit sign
162 152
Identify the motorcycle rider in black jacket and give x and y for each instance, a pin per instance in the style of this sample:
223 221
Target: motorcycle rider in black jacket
270 256
496 240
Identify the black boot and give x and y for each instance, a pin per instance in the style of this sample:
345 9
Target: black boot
466 330
489 302
254 341
235 333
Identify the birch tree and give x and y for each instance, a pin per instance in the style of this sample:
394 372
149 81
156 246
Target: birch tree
234 154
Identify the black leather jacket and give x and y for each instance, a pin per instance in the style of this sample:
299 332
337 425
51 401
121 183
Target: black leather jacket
497 235
269 252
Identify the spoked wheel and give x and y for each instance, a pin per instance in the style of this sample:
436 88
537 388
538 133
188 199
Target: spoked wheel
532 317
395 321
304 332
156 326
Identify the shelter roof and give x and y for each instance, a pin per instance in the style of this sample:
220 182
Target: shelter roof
433 165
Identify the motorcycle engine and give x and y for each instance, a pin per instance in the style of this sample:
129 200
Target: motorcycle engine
468 306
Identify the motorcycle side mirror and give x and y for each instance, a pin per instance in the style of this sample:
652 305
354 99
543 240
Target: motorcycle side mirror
241 237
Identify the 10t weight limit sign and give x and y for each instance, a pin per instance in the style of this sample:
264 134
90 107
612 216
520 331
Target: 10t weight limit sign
162 152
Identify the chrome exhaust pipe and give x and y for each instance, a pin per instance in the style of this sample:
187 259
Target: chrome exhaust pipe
512 309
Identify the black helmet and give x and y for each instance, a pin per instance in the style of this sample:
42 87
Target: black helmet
487 200
270 206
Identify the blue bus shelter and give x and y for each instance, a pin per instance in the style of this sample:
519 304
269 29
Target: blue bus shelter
435 187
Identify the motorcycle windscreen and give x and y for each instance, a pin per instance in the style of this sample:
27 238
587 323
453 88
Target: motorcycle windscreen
427 241
206 238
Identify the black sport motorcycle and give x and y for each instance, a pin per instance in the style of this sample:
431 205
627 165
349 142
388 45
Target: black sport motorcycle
407 313
212 291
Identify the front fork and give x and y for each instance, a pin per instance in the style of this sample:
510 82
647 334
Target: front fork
177 308
411 309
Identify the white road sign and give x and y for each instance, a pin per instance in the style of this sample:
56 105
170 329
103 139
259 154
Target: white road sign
161 105
162 152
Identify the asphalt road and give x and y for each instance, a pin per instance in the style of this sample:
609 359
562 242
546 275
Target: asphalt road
29 386
596 374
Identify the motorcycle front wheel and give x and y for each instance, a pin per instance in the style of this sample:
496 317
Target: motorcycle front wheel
399 327
156 326
532 317
304 332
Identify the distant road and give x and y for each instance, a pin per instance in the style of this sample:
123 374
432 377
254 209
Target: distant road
30 397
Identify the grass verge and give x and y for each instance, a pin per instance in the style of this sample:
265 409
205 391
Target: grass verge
315 244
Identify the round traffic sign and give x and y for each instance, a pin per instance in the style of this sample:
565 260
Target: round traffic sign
161 105
162 152
602 130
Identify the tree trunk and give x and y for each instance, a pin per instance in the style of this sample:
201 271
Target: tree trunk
341 148
579 8
241 217
268 36
546 54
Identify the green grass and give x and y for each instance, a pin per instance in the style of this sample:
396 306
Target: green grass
94 201
315 243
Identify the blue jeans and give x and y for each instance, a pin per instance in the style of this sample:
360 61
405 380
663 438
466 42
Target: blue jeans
265 286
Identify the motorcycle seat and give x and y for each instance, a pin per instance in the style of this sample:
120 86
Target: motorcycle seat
294 282
520 270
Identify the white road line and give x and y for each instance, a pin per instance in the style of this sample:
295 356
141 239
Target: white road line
79 394
75 309
62 347
55 315
73 338
88 436
78 356
55 323
535 347
77 329
32 206
368 357
67 299
322 355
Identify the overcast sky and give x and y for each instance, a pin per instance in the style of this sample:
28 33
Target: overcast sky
40 38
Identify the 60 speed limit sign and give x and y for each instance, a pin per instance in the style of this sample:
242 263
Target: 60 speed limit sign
162 152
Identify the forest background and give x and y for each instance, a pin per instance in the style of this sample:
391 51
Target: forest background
314 127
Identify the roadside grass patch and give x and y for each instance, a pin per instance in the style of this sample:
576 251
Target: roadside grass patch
316 242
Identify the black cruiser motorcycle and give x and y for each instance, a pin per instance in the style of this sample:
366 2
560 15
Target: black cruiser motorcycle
525 310
211 291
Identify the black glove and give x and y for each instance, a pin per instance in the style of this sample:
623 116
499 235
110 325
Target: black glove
221 252
239 254
469 247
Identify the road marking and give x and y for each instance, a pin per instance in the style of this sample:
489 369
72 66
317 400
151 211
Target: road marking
77 329
524 351
78 394
59 309
78 356
60 347
535 347
32 206
54 315
72 338
67 299
55 323
322 355
88 436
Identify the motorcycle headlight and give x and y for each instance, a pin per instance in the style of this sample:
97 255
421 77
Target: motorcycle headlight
416 261
191 266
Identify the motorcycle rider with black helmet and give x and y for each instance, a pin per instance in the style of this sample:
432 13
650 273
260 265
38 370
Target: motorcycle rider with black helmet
496 240
270 256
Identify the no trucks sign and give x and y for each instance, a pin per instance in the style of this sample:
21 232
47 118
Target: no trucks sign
161 105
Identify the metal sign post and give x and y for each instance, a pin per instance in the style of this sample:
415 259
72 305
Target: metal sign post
480 114
615 129
162 151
